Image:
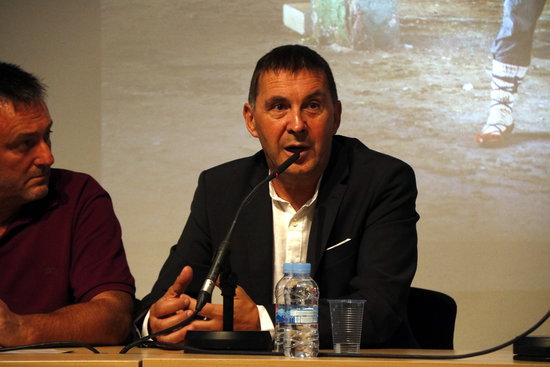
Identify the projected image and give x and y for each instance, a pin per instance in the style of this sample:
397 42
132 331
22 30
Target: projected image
372 24
417 80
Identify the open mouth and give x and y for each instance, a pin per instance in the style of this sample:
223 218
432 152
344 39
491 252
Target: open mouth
295 149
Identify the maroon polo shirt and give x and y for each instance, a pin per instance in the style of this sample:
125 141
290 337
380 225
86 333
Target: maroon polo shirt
63 249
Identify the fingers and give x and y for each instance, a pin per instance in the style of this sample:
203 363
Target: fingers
174 299
167 306
210 324
158 324
212 311
177 336
181 282
242 303
241 294
247 316
173 307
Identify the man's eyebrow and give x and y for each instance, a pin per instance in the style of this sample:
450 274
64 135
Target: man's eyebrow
275 99
31 134
317 93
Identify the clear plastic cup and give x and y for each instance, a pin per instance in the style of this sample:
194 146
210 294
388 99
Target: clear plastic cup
346 316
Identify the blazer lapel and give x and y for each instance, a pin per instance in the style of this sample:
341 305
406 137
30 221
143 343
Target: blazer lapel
258 218
331 193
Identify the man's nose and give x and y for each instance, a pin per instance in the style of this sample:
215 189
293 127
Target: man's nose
44 155
296 122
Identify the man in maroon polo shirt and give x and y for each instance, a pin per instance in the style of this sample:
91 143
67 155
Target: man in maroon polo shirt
63 270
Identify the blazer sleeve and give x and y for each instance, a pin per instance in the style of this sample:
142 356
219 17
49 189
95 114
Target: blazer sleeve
388 258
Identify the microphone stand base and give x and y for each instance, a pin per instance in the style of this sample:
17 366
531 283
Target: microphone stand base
229 340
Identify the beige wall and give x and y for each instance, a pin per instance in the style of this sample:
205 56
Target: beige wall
141 101
59 41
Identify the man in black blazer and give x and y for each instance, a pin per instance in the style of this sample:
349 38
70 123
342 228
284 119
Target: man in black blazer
346 209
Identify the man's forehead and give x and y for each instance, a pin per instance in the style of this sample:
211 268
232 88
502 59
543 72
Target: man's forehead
16 113
9 108
292 74
7 112
285 78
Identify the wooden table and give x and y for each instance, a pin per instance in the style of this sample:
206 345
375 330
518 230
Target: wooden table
77 357
152 357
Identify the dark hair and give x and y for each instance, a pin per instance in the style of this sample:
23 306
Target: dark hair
18 86
291 58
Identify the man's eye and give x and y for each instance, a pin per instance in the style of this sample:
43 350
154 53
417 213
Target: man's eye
26 144
279 107
313 105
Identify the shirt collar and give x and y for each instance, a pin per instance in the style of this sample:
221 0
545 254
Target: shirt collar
310 202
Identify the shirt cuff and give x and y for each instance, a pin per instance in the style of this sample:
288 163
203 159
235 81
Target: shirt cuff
145 325
265 321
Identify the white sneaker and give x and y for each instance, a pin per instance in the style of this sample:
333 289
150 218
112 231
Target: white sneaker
499 124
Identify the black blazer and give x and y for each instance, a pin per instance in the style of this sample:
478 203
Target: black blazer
364 195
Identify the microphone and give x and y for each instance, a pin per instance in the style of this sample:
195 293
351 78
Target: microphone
205 294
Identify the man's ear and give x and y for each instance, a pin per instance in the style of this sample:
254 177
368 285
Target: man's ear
248 114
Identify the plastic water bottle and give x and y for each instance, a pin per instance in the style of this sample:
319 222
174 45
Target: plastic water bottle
301 336
280 311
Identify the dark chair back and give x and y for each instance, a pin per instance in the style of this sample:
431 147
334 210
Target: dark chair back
432 318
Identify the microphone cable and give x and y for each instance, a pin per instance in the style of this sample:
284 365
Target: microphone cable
149 340
369 355
454 356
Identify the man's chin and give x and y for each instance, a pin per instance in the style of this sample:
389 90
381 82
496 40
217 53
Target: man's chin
36 193
302 172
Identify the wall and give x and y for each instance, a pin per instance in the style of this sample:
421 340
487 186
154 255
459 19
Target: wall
59 41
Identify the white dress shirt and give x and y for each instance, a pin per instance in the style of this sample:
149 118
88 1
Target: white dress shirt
291 230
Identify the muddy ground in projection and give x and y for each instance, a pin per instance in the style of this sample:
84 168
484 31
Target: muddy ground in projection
179 71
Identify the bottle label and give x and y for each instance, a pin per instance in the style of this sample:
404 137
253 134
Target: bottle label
280 316
302 315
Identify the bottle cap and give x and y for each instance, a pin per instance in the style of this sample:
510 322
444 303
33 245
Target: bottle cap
287 268
301 268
